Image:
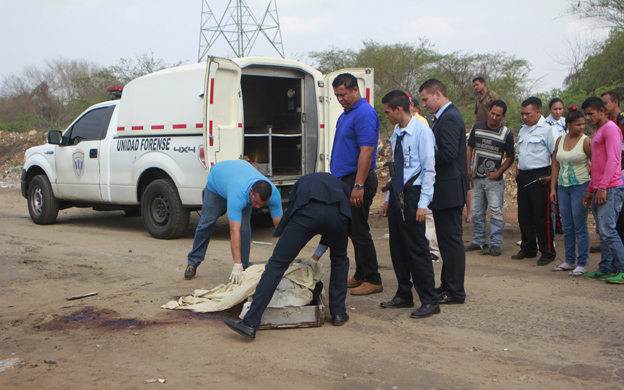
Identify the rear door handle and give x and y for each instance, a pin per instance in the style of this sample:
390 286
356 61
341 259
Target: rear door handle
93 153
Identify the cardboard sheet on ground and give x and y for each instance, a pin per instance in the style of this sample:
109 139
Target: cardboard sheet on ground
295 289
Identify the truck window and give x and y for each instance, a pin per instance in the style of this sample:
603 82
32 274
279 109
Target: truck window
91 127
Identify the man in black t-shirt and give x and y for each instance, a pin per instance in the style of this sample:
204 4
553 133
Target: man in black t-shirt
488 142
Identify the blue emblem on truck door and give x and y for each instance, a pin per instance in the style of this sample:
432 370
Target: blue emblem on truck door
78 160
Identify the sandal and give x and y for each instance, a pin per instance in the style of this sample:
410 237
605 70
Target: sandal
578 271
563 267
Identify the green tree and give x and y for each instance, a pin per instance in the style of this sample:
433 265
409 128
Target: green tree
397 66
406 66
333 59
505 74
603 70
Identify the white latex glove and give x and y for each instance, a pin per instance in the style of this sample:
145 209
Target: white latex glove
312 263
237 274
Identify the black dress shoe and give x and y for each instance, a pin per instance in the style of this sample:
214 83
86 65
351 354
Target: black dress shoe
190 271
446 298
523 255
397 302
439 290
426 311
340 319
240 328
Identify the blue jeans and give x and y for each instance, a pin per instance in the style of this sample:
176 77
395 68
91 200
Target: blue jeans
574 223
486 192
606 215
215 206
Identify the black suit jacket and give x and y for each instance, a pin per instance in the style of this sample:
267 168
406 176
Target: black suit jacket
319 186
451 182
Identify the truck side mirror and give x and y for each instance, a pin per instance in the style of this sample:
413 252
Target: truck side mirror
55 137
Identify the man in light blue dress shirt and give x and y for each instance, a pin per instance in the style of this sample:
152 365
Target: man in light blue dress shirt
413 146
536 143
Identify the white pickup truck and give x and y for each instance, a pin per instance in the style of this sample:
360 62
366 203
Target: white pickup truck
150 152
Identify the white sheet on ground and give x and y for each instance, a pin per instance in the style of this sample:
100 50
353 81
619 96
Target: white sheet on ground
295 289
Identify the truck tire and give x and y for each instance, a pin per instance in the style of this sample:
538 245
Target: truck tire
43 206
162 211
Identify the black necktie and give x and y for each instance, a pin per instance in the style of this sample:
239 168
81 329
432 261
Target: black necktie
398 165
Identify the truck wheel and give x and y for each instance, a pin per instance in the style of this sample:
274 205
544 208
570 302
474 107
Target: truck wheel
43 206
162 211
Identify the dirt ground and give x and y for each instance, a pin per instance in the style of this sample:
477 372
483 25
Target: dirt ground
522 326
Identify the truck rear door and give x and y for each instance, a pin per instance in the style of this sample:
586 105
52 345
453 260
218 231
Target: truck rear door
332 109
78 158
223 120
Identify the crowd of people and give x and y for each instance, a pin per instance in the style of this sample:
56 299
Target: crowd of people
561 175
435 172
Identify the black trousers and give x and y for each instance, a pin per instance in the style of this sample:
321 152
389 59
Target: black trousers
366 266
619 226
409 250
534 213
312 219
448 223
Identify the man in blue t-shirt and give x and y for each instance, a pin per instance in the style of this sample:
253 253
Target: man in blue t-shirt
353 161
236 187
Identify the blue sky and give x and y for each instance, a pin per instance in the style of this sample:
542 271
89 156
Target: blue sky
103 31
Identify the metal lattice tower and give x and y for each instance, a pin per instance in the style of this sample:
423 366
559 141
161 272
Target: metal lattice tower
239 27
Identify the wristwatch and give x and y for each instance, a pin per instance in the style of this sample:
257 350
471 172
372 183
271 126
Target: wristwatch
358 186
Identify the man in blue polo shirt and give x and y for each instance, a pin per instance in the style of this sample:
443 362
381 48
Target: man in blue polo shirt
353 161
236 187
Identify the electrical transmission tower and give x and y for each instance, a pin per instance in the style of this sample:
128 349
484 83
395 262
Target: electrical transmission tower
239 27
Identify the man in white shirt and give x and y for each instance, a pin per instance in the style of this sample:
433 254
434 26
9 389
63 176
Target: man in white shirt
536 144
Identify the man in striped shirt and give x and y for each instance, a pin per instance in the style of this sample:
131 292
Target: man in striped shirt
488 142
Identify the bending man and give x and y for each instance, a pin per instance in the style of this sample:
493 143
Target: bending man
236 187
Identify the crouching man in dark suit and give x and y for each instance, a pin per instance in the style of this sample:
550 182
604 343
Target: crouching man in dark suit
450 189
413 148
319 204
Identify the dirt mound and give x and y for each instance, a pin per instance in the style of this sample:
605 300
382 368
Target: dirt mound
12 148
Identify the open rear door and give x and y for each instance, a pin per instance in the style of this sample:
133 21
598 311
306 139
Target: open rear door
332 109
223 118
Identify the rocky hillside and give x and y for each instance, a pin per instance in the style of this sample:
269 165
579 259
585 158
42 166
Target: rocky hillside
12 148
